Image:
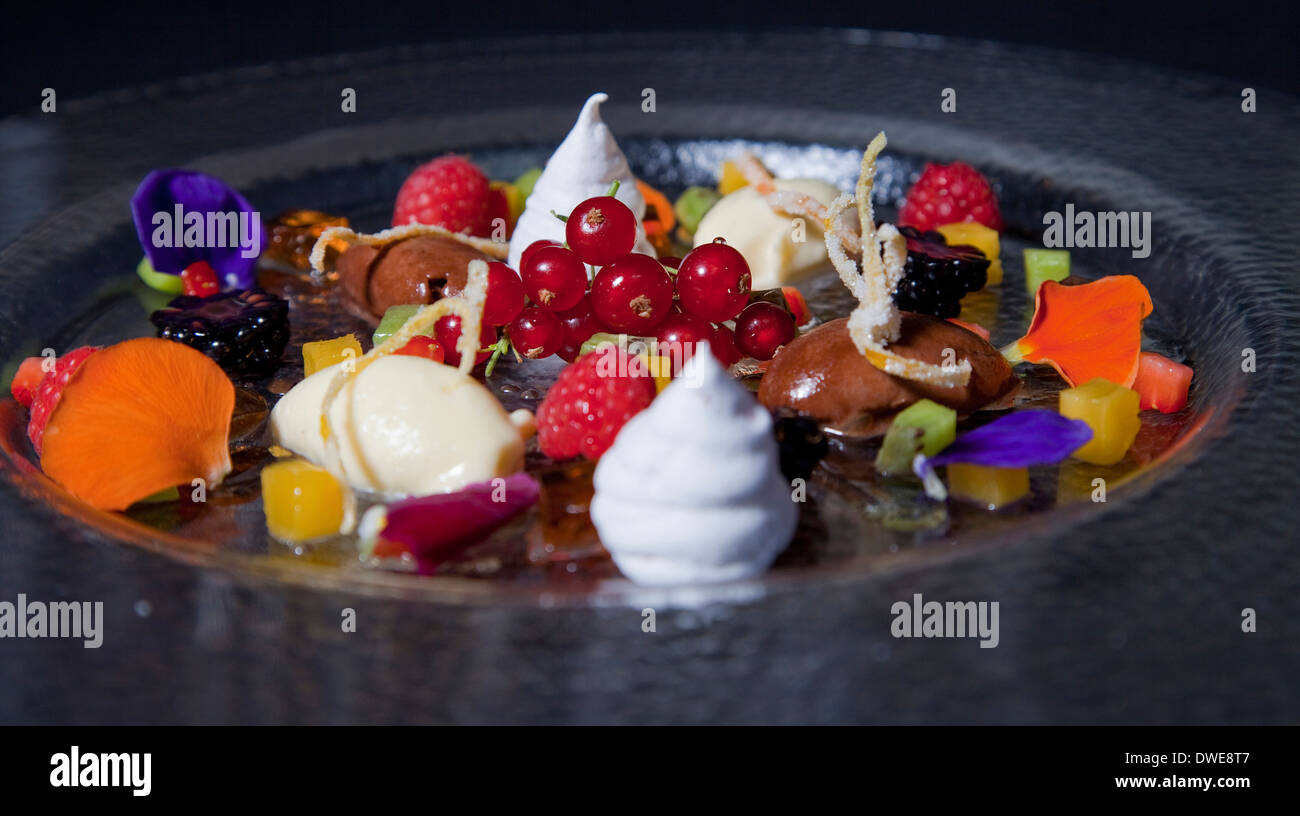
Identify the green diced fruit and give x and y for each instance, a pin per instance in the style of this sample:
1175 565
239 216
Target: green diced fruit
171 284
525 183
923 427
394 319
692 204
596 339
1042 265
166 495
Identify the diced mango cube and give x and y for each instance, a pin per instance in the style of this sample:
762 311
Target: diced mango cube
972 234
992 487
659 366
1111 411
732 179
1042 265
325 353
301 501
995 272
514 199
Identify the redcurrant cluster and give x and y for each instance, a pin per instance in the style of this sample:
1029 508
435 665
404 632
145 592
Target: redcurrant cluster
596 283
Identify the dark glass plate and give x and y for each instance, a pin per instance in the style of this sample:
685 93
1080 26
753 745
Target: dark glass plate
1048 128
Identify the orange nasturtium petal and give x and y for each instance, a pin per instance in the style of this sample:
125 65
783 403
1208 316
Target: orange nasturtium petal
1087 331
659 217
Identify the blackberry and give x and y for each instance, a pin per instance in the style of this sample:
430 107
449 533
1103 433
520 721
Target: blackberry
244 331
937 275
801 443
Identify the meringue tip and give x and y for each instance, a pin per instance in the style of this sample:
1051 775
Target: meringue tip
591 108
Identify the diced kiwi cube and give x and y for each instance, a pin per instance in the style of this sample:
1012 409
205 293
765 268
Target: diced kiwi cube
1042 265
394 319
163 282
527 182
923 427
692 204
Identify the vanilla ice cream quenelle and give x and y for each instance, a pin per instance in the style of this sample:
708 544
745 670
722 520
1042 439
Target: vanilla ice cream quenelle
691 491
407 426
776 253
585 164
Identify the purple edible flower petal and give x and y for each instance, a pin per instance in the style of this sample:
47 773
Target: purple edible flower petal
162 190
437 528
1021 439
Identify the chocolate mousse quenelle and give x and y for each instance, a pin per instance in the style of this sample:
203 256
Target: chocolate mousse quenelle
854 374
408 264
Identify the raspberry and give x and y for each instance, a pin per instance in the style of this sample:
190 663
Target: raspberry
26 380
590 402
50 391
449 192
947 194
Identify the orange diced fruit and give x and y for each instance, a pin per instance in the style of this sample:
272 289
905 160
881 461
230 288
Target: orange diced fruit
970 233
301 501
732 179
1161 383
992 487
995 272
325 353
1111 411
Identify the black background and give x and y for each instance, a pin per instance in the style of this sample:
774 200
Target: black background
82 49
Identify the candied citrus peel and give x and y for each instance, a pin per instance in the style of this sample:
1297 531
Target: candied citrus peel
468 305
876 321
792 202
1087 331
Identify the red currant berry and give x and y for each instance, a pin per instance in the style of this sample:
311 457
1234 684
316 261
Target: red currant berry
762 329
580 322
713 282
678 337
505 295
533 247
536 333
723 345
423 346
671 262
633 294
447 332
555 278
200 280
569 352
601 230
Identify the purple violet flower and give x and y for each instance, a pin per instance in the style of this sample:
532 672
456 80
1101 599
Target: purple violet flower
1021 439
183 216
